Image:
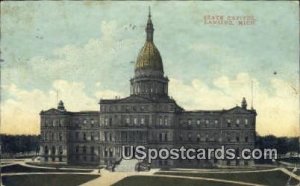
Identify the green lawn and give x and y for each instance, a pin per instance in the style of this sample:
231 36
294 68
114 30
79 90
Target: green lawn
19 168
47 180
161 181
272 178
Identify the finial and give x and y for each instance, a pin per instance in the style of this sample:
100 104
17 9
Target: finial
61 106
244 103
149 28
149 15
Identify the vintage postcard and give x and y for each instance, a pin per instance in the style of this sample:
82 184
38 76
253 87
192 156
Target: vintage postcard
151 93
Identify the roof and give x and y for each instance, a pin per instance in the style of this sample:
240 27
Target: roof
149 58
138 99
54 111
234 110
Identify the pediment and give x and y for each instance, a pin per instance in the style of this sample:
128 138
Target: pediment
238 110
53 111
135 99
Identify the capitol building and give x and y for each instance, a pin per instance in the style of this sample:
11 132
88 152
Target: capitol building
149 117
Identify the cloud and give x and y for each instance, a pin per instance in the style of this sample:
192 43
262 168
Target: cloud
277 107
20 113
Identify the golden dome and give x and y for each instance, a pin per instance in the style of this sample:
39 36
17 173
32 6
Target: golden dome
149 58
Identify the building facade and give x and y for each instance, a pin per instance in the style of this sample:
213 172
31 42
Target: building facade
149 117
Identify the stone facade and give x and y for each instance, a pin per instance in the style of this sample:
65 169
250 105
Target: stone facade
147 117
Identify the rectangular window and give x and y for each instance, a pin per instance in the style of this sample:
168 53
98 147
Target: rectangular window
92 136
77 135
135 121
127 120
189 122
142 121
160 137
166 136
92 150
190 137
228 123
237 122
198 121
160 121
105 136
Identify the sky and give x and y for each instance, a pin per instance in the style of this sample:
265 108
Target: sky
85 51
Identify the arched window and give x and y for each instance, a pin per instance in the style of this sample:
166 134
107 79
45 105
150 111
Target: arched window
53 150
60 150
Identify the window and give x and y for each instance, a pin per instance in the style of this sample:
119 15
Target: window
76 135
60 137
190 137
85 121
77 149
84 136
189 122
105 136
92 121
110 152
135 121
127 120
198 137
207 121
246 122
92 150
166 136
198 121
160 137
61 122
216 122
110 137
84 149
142 121
60 150
237 122
180 137
92 136
246 139
166 121
105 153
160 121
228 123
106 121
46 150
237 139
